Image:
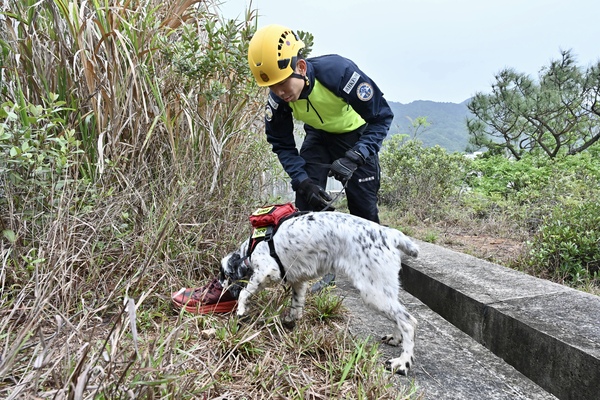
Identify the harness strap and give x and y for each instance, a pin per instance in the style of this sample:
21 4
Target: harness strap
270 232
269 239
273 254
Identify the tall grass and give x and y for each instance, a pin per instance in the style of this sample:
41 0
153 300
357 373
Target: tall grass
154 152
130 156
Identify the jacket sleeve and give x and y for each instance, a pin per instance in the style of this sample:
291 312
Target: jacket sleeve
345 79
279 126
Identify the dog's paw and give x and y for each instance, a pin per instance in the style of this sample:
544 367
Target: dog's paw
289 324
287 320
391 340
240 309
400 365
243 319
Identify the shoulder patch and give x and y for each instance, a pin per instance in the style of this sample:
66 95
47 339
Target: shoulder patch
273 103
351 82
268 112
364 91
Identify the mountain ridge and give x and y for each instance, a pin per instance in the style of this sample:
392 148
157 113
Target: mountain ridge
447 120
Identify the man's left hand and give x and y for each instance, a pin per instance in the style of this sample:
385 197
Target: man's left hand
343 168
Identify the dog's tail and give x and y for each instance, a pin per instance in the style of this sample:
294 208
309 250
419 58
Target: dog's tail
406 245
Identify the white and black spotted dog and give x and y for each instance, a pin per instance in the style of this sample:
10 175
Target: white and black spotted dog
314 244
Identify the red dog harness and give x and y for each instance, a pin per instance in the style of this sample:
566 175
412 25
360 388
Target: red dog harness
266 221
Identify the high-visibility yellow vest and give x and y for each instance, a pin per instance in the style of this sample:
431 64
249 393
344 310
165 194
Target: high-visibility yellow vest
325 111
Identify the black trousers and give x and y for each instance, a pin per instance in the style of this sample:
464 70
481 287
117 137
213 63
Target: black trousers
320 149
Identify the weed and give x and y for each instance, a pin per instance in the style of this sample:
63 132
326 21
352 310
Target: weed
326 306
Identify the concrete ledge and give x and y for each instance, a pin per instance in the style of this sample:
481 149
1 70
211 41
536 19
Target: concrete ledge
548 332
449 364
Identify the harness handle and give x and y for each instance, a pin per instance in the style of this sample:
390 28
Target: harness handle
337 196
329 204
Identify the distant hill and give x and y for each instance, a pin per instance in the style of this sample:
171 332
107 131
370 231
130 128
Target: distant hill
448 127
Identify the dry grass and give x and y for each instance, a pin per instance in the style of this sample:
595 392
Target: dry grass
119 347
163 167
86 314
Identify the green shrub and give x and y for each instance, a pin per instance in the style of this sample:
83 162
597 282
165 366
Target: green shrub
534 177
38 155
567 246
420 179
531 187
502 178
34 141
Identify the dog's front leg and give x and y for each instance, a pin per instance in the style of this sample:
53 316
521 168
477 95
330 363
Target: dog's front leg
253 286
257 282
297 307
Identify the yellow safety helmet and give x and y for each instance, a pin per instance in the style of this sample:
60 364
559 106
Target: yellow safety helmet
272 54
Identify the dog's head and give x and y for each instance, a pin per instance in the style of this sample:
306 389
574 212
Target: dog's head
235 272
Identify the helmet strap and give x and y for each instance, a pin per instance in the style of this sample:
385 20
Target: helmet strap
304 78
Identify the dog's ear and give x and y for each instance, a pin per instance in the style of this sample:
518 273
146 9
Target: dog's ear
243 268
237 266
232 264
235 271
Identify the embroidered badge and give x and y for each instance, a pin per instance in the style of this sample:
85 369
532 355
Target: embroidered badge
273 103
351 82
364 91
268 113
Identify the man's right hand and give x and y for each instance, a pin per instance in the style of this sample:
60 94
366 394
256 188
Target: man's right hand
316 197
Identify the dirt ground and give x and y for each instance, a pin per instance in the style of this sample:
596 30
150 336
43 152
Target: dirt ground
487 247
503 251
498 250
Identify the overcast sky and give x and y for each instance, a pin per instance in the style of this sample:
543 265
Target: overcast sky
438 50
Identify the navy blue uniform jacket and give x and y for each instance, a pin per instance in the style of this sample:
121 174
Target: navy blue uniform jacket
343 78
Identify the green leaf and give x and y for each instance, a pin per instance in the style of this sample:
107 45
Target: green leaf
36 111
10 115
9 235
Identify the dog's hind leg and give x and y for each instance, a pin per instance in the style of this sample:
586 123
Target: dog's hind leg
297 306
404 334
385 301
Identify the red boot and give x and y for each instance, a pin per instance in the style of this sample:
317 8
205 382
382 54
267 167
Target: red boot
207 299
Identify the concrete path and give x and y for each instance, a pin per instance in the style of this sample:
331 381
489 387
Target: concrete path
473 315
449 364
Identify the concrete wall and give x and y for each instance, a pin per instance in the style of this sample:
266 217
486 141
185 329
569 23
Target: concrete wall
548 332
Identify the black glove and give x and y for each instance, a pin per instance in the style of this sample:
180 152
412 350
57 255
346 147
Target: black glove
317 198
343 168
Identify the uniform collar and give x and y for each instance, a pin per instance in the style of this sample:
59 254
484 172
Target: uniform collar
310 74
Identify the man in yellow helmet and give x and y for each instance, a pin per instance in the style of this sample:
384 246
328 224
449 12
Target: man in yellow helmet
345 118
